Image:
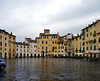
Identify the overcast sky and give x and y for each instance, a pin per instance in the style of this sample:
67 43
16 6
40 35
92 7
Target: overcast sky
28 18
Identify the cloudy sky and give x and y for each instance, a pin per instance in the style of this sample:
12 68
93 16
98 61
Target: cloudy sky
28 18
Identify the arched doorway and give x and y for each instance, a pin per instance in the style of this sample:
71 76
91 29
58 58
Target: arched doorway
20 55
68 54
9 55
42 54
27 55
24 55
38 55
35 55
31 56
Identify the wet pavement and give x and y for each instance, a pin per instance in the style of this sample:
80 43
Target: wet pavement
50 69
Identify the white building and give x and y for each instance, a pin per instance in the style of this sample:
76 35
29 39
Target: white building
32 47
22 49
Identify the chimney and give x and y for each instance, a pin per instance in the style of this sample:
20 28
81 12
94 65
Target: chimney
11 33
58 33
77 34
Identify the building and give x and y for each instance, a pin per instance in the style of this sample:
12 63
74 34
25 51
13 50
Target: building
22 50
69 45
47 44
88 43
7 44
32 47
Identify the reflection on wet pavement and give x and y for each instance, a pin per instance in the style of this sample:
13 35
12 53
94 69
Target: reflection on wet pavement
50 69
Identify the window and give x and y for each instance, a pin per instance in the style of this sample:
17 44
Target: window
9 50
59 47
99 39
42 42
83 49
66 42
42 47
5 44
94 40
87 30
90 47
46 37
55 36
42 37
5 38
80 48
94 47
20 46
87 35
24 46
90 33
13 38
38 41
76 39
46 48
69 45
9 37
91 27
46 42
13 50
0 43
55 42
52 36
0 37
87 48
62 47
80 37
83 43
94 32
24 50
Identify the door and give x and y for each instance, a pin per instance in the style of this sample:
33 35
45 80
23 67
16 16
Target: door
5 55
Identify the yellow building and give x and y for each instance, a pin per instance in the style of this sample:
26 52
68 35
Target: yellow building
7 45
88 42
68 43
47 44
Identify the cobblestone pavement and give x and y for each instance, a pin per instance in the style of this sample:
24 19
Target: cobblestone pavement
50 69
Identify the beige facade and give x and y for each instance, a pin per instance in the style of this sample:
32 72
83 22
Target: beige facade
22 50
7 45
32 47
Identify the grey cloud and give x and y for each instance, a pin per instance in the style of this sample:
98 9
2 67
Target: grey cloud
19 16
